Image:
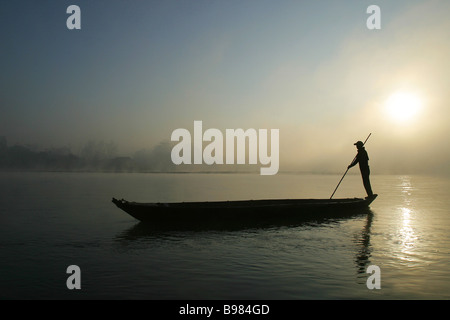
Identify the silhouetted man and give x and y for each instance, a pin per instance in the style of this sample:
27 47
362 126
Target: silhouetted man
363 159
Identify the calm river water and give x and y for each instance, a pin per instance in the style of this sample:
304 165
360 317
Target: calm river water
49 221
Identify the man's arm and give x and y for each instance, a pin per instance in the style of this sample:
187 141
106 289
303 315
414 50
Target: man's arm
354 162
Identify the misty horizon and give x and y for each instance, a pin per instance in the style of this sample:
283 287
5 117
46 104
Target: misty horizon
100 156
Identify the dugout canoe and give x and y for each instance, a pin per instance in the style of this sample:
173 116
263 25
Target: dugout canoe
243 210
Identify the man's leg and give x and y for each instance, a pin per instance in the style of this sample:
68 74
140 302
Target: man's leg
366 182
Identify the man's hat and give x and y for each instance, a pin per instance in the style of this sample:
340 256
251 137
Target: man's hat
359 144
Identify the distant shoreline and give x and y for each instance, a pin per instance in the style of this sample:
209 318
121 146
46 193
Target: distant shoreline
356 173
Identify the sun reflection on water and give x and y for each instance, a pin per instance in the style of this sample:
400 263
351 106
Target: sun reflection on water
407 237
407 234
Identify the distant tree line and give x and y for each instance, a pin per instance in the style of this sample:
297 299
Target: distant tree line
94 156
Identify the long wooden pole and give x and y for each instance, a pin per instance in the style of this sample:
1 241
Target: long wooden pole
348 168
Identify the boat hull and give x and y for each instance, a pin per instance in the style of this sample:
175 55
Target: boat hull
242 211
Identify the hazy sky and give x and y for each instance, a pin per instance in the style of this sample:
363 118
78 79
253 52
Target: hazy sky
137 70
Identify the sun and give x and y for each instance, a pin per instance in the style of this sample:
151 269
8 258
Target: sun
403 106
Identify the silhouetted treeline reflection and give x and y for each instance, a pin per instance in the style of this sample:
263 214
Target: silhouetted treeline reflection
93 156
